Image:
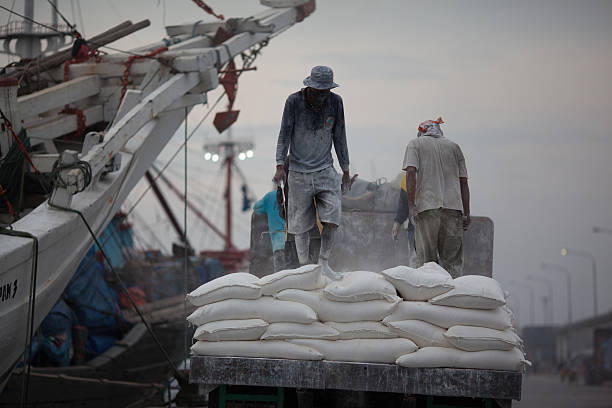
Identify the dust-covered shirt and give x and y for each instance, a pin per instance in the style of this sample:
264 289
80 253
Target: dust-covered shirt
439 163
309 135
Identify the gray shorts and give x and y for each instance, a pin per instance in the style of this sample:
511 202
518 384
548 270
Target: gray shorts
324 187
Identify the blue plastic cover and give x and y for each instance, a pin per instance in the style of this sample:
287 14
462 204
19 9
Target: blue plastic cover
92 300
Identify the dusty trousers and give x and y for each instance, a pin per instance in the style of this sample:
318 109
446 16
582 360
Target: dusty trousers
439 232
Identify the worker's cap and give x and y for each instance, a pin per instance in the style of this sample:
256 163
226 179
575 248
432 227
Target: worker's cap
321 77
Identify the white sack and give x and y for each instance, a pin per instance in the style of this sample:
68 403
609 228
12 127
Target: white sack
362 330
265 308
305 277
419 284
473 292
470 338
446 316
423 334
360 350
263 349
249 329
239 285
360 286
512 360
316 330
329 311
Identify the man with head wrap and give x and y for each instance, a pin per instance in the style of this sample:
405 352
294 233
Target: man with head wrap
313 121
438 196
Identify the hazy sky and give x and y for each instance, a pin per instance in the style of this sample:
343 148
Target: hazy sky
524 87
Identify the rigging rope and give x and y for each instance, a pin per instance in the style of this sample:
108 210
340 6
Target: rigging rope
178 375
185 272
161 61
128 67
23 149
8 203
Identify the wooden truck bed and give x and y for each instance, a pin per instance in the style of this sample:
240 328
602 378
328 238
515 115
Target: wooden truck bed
503 386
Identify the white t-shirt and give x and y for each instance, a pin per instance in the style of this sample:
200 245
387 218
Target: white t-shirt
439 163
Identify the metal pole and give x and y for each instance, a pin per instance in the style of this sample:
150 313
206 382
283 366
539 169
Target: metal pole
588 255
28 11
568 285
167 209
54 14
531 300
550 294
228 203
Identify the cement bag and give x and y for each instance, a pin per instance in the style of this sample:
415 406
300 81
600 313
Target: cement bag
360 350
316 330
306 277
419 284
249 329
264 349
360 286
362 330
329 311
239 285
511 360
470 338
446 316
423 334
473 292
265 308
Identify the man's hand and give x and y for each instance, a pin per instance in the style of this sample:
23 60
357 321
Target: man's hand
466 222
280 174
347 181
395 230
413 216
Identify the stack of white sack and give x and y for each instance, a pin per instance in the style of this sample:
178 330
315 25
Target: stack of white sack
354 307
298 314
234 314
460 323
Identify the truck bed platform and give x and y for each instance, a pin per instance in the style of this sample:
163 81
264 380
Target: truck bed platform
503 386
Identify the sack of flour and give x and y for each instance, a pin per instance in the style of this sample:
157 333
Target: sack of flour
265 308
419 284
470 338
305 277
360 286
360 350
511 360
263 349
223 330
362 330
473 292
330 311
284 330
239 285
423 334
447 316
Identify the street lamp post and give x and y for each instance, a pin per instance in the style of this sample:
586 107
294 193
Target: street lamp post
548 266
588 255
531 299
548 283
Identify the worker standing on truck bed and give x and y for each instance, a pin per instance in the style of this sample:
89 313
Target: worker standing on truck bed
313 120
438 196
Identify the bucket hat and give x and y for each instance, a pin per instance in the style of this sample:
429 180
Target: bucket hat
321 77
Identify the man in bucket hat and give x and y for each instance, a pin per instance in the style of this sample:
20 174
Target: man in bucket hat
313 121
438 196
